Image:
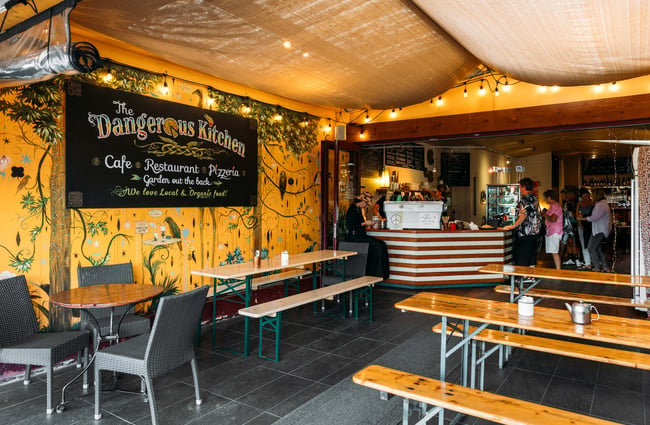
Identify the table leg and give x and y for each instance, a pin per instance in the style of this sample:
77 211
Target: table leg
443 349
465 351
214 312
247 303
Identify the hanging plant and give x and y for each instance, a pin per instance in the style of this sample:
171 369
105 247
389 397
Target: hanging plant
294 131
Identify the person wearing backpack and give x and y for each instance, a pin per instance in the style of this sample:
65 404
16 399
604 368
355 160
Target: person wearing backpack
554 219
527 226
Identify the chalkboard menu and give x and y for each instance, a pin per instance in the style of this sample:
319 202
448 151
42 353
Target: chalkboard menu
454 168
623 165
127 150
372 162
406 157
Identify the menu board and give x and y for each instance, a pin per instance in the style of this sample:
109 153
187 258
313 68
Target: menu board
620 165
454 168
372 161
406 157
128 150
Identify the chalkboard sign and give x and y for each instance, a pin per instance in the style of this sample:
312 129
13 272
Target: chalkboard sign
406 157
623 165
454 168
127 150
372 162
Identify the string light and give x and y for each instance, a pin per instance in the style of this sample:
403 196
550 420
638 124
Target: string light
165 89
109 75
439 101
465 90
613 86
393 114
506 86
367 119
481 90
496 90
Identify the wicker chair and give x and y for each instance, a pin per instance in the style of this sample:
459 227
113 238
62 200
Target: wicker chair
20 341
131 324
168 346
355 266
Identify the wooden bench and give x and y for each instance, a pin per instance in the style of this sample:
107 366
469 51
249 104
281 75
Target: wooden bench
468 401
270 315
283 276
575 296
548 345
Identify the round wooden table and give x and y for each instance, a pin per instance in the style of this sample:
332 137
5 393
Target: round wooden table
102 296
108 295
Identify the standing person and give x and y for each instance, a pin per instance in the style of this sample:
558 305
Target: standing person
528 225
356 223
585 206
601 225
570 237
554 220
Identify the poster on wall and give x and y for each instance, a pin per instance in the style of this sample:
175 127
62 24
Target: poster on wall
125 150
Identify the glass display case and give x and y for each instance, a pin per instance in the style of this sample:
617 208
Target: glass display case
501 204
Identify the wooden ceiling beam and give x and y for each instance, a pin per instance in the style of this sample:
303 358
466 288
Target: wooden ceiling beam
608 112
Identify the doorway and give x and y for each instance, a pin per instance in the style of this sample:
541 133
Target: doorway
340 183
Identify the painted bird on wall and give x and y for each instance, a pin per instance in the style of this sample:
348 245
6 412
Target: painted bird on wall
282 184
175 231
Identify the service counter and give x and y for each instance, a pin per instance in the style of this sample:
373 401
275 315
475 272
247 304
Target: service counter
421 259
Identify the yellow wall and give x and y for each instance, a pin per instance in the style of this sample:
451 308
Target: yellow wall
285 218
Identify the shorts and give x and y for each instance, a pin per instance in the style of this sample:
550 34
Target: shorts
552 243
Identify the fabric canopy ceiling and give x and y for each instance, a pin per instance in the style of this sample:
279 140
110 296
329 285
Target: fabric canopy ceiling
382 53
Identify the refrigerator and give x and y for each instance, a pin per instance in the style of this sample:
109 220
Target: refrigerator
501 203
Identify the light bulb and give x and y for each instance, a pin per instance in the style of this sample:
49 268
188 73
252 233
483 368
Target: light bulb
367 119
439 101
393 114
109 76
465 91
481 89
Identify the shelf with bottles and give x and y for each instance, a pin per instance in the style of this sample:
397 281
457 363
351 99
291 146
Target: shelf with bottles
607 181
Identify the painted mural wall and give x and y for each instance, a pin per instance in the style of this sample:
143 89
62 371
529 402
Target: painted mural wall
47 242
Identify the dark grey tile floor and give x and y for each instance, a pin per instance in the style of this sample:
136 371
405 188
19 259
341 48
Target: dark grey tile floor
318 352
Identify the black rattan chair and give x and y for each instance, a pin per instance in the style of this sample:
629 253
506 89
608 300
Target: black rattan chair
131 324
168 346
20 341
355 266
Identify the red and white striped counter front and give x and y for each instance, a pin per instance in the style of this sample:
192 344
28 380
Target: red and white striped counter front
438 258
